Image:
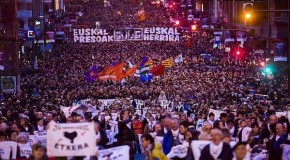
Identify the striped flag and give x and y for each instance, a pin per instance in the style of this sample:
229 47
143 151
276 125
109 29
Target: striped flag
142 70
168 63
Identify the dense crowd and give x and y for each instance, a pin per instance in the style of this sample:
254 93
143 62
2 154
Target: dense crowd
248 101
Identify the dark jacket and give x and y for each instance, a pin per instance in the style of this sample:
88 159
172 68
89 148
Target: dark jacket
125 133
104 139
226 154
275 152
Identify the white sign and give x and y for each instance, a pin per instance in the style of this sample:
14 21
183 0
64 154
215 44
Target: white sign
280 59
286 152
164 103
25 151
179 151
10 144
116 153
92 35
161 34
24 14
5 152
71 139
95 35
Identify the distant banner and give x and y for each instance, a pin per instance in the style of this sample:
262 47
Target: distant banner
8 84
71 139
94 35
116 153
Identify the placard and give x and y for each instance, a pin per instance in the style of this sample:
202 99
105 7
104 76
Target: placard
71 139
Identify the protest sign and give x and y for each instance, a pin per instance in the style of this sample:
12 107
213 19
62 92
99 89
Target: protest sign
286 152
164 103
95 35
116 153
92 35
161 34
31 139
71 139
25 151
179 151
280 114
10 144
5 152
40 139
79 108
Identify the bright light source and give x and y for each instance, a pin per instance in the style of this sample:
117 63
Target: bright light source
158 2
170 6
248 15
262 64
177 22
238 52
193 27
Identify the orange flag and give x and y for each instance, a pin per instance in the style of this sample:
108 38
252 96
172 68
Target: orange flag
112 72
131 71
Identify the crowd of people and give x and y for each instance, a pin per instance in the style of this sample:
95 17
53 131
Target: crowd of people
248 102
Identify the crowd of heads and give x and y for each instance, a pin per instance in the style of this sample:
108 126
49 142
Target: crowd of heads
198 83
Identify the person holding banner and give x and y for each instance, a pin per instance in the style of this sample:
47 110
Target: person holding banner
126 134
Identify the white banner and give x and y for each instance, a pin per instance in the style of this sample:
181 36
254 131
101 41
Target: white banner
116 153
71 139
95 35
80 109
286 152
25 151
164 103
10 144
179 151
5 152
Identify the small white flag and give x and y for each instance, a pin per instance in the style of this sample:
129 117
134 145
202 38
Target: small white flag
179 59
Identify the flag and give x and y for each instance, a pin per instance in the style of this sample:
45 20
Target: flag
146 77
142 70
143 62
112 72
130 64
130 72
168 63
158 70
143 67
179 59
92 74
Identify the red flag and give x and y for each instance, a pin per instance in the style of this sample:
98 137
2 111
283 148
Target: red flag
158 70
112 72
